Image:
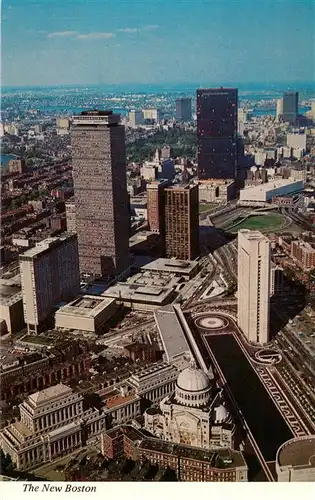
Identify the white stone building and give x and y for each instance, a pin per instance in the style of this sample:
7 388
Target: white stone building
194 414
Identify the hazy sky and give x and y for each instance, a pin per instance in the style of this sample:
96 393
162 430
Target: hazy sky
48 42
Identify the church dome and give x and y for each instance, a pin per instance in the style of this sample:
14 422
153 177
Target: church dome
192 379
193 387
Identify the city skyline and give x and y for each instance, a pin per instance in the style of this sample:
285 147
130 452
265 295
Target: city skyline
119 36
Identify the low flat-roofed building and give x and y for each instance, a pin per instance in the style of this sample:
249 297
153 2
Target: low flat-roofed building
265 192
140 297
11 304
295 460
216 190
88 313
184 268
176 348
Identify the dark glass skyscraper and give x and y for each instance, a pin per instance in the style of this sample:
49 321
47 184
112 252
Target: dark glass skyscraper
183 109
100 192
217 133
290 107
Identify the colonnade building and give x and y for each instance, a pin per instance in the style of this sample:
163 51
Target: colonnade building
53 421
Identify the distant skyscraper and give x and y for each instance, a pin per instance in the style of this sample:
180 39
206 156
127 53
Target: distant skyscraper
183 109
279 111
290 107
100 191
49 274
217 133
182 222
253 291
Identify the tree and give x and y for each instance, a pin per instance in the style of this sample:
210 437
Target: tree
6 464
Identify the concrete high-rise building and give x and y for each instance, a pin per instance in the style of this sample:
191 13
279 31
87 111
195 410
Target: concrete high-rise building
151 114
279 110
217 133
135 117
253 294
156 205
49 274
183 109
182 221
100 192
290 107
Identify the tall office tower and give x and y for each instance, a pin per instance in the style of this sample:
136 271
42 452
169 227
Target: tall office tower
253 293
183 109
217 133
279 110
290 107
156 205
182 222
49 274
100 192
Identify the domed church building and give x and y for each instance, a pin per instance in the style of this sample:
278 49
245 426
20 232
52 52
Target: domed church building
195 414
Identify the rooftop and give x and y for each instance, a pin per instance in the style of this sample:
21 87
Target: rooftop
137 293
268 186
171 333
297 452
53 392
171 266
88 306
45 245
230 458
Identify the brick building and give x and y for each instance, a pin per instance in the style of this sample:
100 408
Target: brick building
182 222
304 253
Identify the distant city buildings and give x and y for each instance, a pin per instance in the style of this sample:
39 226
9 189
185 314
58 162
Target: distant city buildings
49 274
182 221
100 191
253 285
183 109
217 133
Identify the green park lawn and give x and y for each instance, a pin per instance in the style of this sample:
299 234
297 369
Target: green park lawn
272 222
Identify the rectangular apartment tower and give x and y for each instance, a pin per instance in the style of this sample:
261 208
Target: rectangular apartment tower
49 274
217 133
253 285
182 222
100 192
